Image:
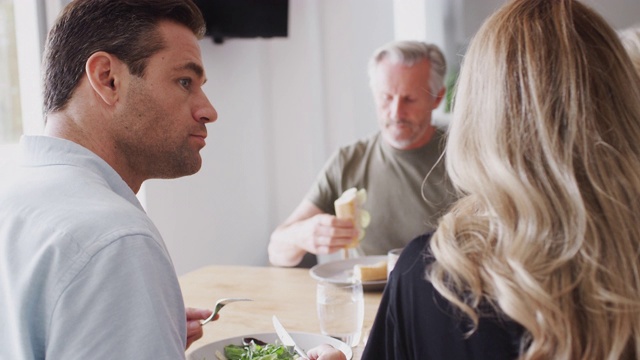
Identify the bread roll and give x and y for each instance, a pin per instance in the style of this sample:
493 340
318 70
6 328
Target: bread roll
348 206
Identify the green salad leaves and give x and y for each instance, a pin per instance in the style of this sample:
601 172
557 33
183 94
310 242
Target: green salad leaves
258 352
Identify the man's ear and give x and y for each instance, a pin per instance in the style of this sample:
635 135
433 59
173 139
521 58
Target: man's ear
104 72
439 97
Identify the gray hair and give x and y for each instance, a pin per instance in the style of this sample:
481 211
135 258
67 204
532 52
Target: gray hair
409 53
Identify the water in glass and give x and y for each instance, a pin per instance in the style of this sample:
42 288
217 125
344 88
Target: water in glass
341 311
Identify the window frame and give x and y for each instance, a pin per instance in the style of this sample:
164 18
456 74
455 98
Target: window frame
31 27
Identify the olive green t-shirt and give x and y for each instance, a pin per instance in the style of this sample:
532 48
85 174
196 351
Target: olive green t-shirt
394 182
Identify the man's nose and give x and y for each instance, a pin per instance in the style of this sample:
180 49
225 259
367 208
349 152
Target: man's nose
206 112
395 108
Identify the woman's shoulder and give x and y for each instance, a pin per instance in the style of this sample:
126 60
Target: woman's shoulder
419 243
415 253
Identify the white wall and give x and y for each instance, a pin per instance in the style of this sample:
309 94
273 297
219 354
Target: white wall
284 104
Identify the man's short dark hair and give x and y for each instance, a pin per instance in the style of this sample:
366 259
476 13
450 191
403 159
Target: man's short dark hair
125 28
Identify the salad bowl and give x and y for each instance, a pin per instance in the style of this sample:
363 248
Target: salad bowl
213 350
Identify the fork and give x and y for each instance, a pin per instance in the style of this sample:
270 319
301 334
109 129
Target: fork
219 305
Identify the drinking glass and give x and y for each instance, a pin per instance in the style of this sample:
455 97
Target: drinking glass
341 310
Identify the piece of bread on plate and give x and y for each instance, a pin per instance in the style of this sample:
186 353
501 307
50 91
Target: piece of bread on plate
372 272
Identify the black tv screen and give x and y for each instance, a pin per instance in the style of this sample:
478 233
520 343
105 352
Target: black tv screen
245 18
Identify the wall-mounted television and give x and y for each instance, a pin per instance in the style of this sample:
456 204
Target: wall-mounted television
227 19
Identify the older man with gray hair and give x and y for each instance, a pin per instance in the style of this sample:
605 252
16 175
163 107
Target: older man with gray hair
407 82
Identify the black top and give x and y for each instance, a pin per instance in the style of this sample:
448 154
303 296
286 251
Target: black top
415 322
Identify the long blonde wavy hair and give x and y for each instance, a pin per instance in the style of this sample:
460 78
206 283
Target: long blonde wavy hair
544 148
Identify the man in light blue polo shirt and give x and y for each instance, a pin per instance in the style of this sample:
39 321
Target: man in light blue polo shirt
84 272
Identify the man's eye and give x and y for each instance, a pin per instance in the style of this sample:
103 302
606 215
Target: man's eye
185 82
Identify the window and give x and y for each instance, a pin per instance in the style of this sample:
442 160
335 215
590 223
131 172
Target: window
10 113
22 32
23 27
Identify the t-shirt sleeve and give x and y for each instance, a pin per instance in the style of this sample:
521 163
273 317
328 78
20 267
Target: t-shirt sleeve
324 191
125 303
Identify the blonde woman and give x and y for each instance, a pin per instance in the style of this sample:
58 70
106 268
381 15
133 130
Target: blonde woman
539 259
545 146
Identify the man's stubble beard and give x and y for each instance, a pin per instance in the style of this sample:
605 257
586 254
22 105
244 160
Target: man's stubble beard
416 132
149 150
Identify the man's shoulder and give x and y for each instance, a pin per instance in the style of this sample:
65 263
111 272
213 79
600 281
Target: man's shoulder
74 205
367 140
362 146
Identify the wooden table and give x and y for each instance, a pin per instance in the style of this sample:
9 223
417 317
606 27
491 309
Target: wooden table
289 293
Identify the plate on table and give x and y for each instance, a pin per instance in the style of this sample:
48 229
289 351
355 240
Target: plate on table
341 271
305 340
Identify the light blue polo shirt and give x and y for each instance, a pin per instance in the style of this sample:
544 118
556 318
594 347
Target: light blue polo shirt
84 273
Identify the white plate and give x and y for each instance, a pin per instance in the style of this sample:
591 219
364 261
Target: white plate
341 271
305 340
